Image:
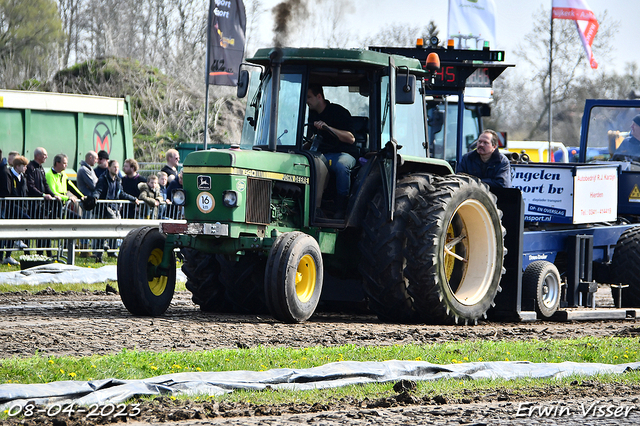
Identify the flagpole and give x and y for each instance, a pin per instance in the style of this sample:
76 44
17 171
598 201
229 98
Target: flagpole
206 81
550 135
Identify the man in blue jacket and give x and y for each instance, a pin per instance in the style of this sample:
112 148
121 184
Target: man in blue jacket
486 162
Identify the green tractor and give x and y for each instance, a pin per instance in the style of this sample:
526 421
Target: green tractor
418 242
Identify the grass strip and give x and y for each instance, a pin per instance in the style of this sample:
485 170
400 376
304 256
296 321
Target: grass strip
133 364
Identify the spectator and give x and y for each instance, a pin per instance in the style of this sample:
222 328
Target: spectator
5 178
103 163
12 155
87 181
19 189
150 195
37 186
162 184
5 209
87 178
60 185
109 187
173 158
130 183
176 184
19 181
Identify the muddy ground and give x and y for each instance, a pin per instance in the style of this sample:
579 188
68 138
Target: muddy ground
82 324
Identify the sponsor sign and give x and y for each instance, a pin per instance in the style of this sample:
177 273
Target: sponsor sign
596 198
547 192
567 194
226 38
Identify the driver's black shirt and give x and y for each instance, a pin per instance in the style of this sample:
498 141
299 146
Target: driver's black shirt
338 117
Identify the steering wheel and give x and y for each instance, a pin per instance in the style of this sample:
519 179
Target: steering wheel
305 138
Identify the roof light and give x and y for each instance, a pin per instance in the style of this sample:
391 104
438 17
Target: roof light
419 42
450 43
433 62
486 45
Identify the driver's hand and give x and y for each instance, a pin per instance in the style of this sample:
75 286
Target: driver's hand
319 124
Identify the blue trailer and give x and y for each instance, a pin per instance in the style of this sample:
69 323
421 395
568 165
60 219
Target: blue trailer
571 226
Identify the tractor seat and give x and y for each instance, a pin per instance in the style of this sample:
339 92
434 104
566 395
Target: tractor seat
361 133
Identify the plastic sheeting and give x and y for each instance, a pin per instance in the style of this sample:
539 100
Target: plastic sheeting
66 274
114 391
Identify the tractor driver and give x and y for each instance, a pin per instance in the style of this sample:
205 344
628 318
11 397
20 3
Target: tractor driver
629 149
486 162
333 124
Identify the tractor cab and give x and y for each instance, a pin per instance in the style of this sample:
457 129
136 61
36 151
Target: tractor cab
380 98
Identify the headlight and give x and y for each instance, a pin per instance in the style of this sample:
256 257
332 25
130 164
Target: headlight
230 198
178 197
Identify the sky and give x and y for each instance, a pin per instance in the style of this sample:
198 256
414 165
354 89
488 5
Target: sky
513 21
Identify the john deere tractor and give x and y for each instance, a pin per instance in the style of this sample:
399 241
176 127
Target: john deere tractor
418 243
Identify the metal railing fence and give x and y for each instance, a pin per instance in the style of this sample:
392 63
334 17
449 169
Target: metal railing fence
60 229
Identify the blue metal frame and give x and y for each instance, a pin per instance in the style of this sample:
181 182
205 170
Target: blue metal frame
545 245
588 106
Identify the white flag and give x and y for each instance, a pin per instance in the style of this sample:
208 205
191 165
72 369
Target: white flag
472 22
585 19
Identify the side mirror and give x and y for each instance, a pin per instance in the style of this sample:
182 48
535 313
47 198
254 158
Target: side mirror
405 89
243 84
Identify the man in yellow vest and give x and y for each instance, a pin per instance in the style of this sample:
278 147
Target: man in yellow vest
59 183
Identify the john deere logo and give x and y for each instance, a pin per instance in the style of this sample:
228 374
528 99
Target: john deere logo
204 183
102 137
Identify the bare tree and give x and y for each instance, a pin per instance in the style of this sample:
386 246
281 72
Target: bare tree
569 63
401 35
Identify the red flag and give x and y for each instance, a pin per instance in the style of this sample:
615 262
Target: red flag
585 19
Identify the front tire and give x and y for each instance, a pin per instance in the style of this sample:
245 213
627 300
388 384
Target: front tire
293 277
541 282
143 289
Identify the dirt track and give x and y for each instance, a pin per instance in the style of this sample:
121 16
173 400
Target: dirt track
88 323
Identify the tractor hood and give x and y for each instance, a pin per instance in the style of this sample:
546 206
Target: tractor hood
248 163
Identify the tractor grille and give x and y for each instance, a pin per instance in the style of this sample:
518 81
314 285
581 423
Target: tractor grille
258 201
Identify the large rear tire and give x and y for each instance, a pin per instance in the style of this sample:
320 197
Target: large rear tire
203 272
383 246
143 289
626 267
541 282
455 252
293 278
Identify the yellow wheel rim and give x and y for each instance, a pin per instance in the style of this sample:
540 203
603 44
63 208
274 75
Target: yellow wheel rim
157 285
448 259
306 278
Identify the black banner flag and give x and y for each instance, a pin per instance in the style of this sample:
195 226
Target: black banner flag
226 37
